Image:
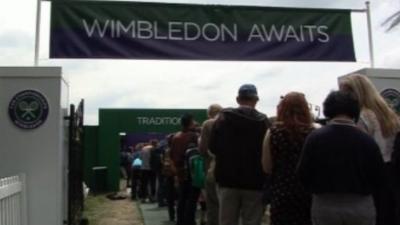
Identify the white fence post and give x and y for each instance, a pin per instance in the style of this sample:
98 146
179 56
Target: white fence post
24 201
13 200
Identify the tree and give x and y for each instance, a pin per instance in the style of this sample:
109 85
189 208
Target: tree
392 21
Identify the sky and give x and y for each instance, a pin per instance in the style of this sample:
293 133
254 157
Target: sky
195 84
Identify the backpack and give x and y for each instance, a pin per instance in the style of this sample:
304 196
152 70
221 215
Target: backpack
168 167
196 167
137 163
198 171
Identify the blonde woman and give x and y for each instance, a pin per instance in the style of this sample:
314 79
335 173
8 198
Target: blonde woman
381 122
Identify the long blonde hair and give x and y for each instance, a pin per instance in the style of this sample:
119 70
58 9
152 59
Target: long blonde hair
369 98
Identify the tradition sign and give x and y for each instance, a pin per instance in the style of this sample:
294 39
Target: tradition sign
131 30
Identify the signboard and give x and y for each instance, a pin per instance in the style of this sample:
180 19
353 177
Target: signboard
28 109
131 30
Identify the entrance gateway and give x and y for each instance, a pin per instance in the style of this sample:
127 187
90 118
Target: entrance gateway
41 153
102 142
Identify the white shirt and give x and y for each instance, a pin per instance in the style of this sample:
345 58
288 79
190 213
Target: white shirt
369 123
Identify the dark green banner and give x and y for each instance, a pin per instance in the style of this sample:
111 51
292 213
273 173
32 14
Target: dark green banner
131 30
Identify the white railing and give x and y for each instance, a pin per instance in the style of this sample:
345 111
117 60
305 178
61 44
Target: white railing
13 201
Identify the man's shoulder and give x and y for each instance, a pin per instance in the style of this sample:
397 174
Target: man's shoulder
176 135
183 135
332 130
208 123
247 113
147 148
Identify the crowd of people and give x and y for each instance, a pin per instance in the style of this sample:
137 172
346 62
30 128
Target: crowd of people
337 171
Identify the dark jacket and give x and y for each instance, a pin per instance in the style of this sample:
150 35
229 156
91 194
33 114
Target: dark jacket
236 140
341 159
179 144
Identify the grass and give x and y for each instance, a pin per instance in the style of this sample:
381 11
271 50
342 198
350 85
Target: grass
100 210
96 207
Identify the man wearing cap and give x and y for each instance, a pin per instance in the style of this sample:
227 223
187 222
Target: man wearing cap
236 141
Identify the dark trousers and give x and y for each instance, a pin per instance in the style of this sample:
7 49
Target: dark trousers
135 184
387 200
397 210
339 209
148 180
128 175
161 189
187 203
170 192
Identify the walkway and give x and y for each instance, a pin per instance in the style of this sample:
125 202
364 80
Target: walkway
154 215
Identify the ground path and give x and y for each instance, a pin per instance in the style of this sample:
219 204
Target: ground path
154 215
102 211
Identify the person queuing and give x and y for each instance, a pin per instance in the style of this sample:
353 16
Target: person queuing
188 191
169 172
156 163
379 121
210 185
148 176
290 203
236 141
136 173
125 164
341 166
179 144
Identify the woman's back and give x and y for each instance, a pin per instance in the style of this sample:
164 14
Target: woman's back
290 203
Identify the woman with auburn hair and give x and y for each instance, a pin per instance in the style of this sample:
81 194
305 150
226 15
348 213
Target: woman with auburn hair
282 148
382 123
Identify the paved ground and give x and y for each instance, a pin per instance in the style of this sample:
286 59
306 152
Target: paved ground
151 214
154 215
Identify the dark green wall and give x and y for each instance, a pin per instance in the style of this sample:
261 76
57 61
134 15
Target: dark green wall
90 153
114 121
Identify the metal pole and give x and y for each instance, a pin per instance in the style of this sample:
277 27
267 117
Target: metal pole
370 40
37 34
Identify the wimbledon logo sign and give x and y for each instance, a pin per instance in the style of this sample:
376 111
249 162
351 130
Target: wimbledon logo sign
28 109
392 97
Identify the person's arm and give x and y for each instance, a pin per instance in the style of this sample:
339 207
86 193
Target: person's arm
212 142
376 167
266 158
205 136
172 151
304 167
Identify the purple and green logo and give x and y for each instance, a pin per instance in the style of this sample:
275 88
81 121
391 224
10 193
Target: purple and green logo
28 109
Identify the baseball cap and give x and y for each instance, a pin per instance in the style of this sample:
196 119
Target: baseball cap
248 90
